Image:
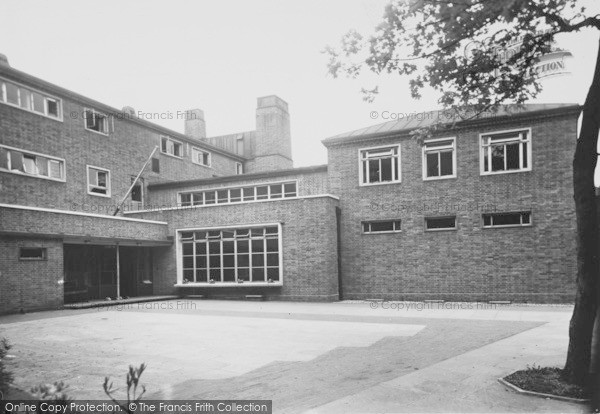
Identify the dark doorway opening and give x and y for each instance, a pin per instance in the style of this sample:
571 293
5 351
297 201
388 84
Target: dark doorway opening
93 272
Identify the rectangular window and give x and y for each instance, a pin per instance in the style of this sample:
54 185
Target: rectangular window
380 165
96 121
439 158
172 147
33 253
507 219
98 181
239 194
239 255
30 100
381 226
137 192
239 168
155 165
508 151
200 157
440 223
18 161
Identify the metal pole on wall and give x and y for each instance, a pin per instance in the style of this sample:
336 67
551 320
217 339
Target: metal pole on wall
118 273
135 181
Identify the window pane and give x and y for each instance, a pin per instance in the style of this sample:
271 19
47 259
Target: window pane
209 197
188 249
229 275
432 164
374 171
201 275
38 103
487 220
272 259
273 274
186 199
214 262
52 107
3 158
222 196
228 260
386 169
290 189
382 226
244 274
201 262
25 99
446 163
440 222
215 274
235 195
249 194
29 164
258 245
526 218
524 155
512 157
243 260
258 275
136 193
12 93
258 260
276 191
497 158
188 262
201 247
242 246
272 245
262 193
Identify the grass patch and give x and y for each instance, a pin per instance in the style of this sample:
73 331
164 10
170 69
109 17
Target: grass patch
546 380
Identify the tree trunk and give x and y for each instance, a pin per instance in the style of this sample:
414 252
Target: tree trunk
577 366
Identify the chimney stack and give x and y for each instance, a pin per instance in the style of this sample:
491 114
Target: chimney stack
273 143
4 60
195 126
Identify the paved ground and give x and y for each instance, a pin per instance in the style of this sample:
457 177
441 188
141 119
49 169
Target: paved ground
321 358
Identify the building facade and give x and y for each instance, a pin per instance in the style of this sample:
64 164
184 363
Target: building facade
483 211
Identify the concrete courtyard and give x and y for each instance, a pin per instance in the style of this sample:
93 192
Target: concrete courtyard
307 357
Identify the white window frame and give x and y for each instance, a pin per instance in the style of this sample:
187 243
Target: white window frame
50 158
438 150
487 148
239 168
179 255
105 123
396 230
196 151
503 226
442 229
47 97
241 188
361 160
108 183
174 141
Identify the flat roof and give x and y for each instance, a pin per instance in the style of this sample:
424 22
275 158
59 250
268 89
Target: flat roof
240 177
411 121
19 76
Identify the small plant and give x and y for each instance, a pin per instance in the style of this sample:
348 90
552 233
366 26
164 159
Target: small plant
133 380
6 377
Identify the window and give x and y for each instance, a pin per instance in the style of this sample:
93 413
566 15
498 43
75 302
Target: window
240 144
32 253
507 219
137 192
380 165
200 157
239 194
98 181
381 226
30 100
440 223
239 168
171 147
18 161
508 151
439 158
155 165
239 255
95 121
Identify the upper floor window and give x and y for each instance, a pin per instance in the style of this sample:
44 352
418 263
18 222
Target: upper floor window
30 100
506 151
18 161
171 147
507 219
439 158
98 181
239 194
440 223
137 191
239 168
96 121
200 157
380 165
381 226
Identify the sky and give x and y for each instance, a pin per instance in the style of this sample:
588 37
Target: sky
166 57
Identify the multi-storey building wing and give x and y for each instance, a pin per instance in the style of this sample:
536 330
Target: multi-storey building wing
481 211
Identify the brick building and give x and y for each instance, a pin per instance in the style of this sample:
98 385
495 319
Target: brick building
481 212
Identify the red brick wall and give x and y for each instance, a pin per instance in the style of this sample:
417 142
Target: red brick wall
30 285
535 264
309 245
